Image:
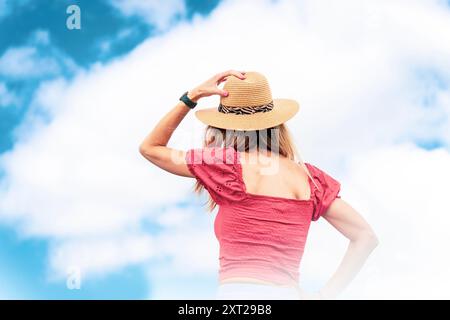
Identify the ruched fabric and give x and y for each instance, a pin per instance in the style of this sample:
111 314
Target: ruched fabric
260 236
328 190
215 169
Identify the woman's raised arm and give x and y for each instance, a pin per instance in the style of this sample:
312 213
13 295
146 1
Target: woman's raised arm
154 147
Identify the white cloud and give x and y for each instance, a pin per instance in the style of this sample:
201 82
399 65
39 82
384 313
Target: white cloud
157 13
400 191
405 187
98 256
199 237
25 62
36 59
356 69
7 97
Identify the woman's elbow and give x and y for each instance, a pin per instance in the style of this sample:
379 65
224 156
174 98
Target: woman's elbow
142 150
368 239
146 151
152 153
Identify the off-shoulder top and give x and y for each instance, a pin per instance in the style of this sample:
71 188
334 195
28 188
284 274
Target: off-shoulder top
260 236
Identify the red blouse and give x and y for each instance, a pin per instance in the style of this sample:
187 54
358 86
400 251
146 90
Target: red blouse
260 236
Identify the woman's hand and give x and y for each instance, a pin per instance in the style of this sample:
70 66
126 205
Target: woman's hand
210 86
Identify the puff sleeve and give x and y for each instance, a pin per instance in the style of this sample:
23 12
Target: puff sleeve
327 191
215 169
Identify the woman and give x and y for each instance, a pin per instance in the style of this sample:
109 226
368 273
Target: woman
266 197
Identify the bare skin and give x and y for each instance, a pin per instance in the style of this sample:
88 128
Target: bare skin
344 218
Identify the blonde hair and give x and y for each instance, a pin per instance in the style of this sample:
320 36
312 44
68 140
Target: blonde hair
280 143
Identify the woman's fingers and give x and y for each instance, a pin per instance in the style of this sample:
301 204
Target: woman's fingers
220 92
222 75
236 73
210 87
222 80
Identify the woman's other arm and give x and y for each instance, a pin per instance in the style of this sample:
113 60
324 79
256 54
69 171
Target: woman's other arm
362 242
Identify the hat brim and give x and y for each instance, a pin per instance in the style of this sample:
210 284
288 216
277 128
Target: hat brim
283 110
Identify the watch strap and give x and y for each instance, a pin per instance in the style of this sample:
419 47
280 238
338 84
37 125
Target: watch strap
188 102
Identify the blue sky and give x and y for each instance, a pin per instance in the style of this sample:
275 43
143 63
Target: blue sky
23 262
101 22
74 104
23 272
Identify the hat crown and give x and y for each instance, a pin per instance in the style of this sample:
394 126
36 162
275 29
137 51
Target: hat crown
254 90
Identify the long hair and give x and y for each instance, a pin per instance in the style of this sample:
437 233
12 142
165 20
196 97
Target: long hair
276 139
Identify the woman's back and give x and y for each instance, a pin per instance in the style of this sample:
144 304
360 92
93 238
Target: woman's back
263 234
274 175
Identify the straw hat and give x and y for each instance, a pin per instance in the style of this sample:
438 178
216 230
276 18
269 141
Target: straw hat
248 106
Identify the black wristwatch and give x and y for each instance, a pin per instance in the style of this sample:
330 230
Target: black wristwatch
191 104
